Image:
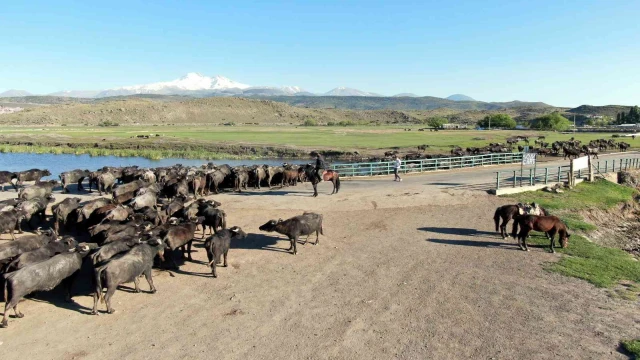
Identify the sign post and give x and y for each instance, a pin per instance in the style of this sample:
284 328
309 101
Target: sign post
527 159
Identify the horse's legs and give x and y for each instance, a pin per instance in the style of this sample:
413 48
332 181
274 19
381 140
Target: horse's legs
522 239
552 235
315 188
333 181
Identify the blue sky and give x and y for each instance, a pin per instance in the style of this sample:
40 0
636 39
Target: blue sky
564 53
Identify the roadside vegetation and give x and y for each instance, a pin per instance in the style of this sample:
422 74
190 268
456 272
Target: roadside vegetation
601 266
632 346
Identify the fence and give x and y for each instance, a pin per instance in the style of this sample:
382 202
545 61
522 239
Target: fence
422 165
560 173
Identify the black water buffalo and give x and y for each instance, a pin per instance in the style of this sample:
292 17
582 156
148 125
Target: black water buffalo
181 236
213 218
39 189
127 188
64 213
175 205
32 175
43 276
109 250
35 206
218 245
8 177
176 188
124 269
45 252
10 221
305 224
272 172
240 179
74 176
84 213
257 175
106 181
198 184
217 177
9 204
26 243
148 199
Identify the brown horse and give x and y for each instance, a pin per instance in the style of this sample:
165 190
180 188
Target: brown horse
327 175
547 224
508 212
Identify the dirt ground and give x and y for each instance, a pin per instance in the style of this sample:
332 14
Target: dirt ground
404 271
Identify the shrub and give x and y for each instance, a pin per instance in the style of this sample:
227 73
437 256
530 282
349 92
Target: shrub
497 121
310 122
108 123
553 121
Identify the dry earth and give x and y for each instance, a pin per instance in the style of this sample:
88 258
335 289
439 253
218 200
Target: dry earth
404 271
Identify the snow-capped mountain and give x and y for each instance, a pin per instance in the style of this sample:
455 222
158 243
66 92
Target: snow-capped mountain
274 91
192 82
345 91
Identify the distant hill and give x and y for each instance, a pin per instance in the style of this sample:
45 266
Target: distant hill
14 93
607 110
405 95
460 97
394 103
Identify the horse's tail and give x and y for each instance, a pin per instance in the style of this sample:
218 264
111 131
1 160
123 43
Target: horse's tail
321 230
337 181
496 218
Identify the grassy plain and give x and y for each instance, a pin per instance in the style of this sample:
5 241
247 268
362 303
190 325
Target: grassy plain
365 139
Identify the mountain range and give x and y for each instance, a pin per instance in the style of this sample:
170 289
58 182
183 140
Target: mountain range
198 85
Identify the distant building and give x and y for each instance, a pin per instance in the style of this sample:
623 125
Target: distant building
628 126
454 126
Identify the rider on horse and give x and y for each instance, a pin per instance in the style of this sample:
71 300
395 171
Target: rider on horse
320 166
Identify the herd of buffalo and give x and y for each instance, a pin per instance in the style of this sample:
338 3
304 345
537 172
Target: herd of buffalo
569 148
152 216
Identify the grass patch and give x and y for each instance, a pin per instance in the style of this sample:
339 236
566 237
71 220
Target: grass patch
600 194
576 222
334 137
145 153
601 266
632 346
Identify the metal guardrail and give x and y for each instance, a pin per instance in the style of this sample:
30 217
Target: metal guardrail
560 173
422 165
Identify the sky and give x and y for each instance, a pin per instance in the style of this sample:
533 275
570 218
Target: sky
564 53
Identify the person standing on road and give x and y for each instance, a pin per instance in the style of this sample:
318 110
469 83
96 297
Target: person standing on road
396 168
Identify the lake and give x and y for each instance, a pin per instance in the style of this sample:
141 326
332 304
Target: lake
59 163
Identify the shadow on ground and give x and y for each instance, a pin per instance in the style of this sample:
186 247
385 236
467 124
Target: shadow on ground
458 231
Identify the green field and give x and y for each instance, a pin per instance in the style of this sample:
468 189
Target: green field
370 139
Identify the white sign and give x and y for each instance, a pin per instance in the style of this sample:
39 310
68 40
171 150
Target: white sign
528 158
580 163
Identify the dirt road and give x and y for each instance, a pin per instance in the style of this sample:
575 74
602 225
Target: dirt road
405 270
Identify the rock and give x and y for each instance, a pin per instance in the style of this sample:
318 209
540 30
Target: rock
625 178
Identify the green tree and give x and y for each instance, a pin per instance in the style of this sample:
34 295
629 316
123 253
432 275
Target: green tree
589 122
553 121
618 118
503 121
310 122
436 122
